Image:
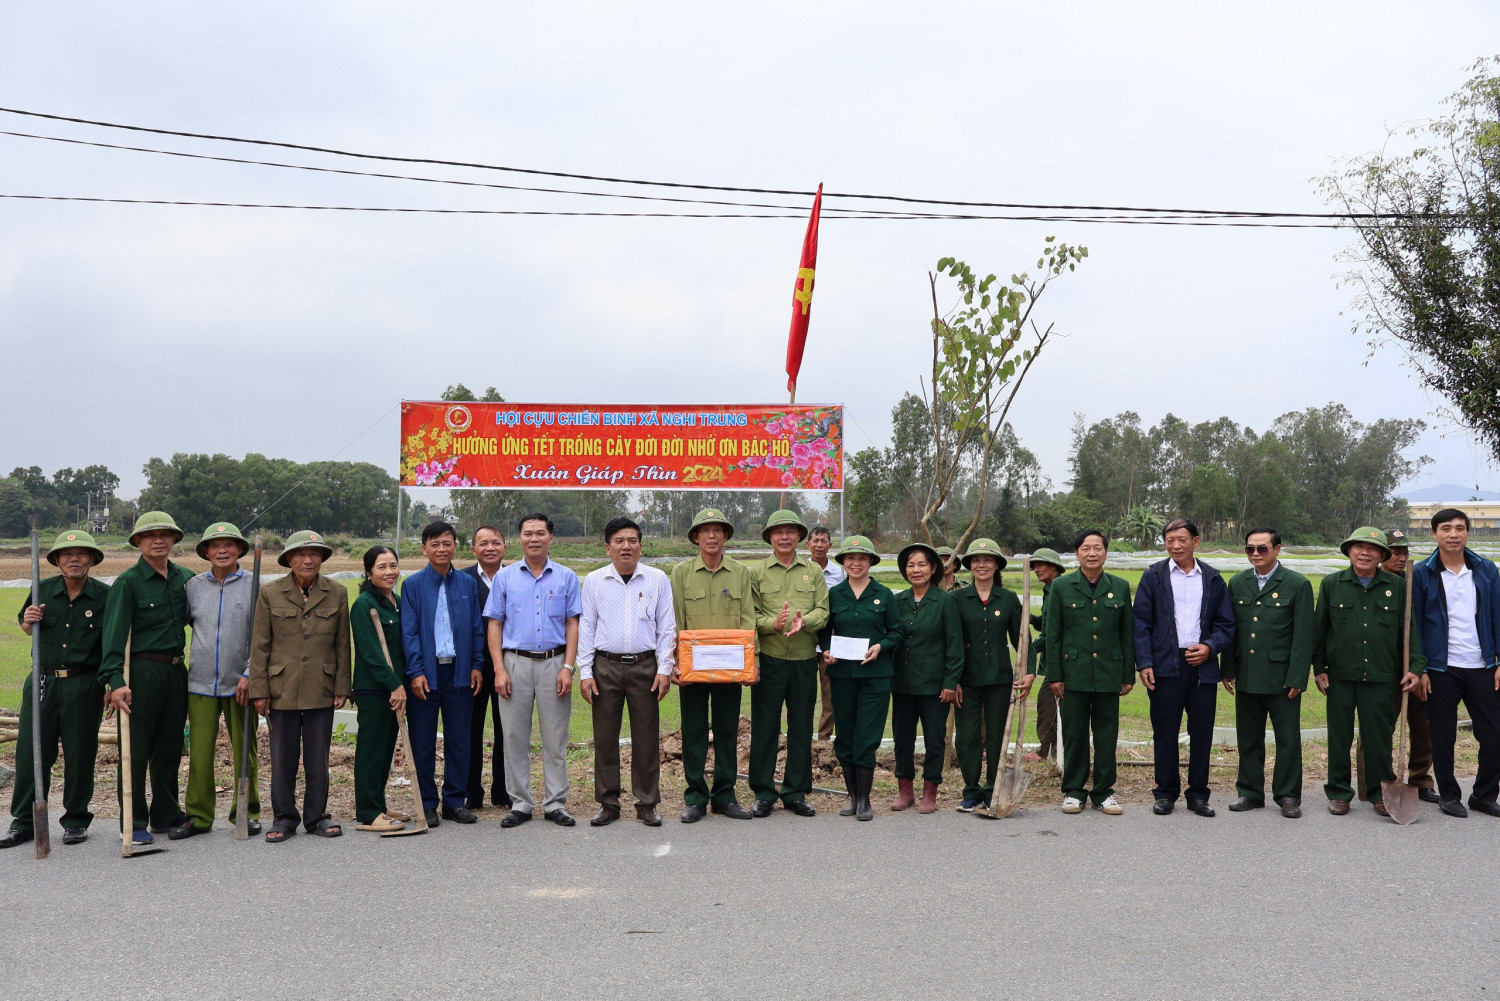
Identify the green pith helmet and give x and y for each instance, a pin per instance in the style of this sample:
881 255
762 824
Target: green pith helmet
857 544
906 553
709 516
1396 539
945 557
983 547
75 540
221 530
303 540
784 517
1046 556
1367 533
154 521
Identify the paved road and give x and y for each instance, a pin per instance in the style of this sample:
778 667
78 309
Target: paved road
1240 906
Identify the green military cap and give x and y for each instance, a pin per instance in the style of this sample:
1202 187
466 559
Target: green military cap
857 544
154 521
303 540
709 516
917 547
75 540
1367 533
983 547
784 517
221 530
1046 556
1396 539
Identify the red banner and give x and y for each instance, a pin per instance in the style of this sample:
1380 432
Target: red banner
595 447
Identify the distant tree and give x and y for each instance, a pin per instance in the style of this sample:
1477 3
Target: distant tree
868 492
463 394
15 508
1142 526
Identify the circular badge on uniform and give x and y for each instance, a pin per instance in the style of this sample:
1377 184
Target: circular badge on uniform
88 613
1275 595
1110 594
1387 593
877 601
997 613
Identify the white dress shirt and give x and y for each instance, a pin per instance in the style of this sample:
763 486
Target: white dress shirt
1187 602
627 617
832 573
1463 609
1260 579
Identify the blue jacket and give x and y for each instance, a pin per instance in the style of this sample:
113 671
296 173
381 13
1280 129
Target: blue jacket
1430 608
418 607
1156 643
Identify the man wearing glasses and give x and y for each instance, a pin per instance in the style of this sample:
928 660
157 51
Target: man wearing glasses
1266 669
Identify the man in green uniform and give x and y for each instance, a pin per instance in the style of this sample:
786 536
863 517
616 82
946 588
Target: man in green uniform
147 608
1047 566
1266 668
991 618
71 614
1357 662
711 591
792 607
1089 660
949 563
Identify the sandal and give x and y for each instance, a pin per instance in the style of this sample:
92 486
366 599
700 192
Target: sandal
382 824
326 828
277 834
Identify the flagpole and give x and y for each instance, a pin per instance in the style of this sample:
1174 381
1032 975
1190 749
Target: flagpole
791 403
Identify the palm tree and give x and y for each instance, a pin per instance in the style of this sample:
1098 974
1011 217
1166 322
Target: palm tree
1141 525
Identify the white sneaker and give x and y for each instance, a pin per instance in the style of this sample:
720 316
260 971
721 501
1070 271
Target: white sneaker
1072 804
1110 807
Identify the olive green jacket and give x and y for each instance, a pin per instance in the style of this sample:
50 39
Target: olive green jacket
1089 633
870 616
1358 634
1273 633
987 628
148 609
932 658
299 649
800 586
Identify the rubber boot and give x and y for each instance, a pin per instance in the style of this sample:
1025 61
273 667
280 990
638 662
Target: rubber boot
929 798
904 796
865 779
851 783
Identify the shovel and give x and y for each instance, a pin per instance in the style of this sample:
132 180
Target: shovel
1402 801
1012 783
41 830
242 786
418 822
128 848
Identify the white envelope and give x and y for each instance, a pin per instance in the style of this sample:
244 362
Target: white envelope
848 648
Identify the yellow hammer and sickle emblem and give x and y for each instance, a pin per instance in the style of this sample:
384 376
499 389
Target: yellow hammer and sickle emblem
803 293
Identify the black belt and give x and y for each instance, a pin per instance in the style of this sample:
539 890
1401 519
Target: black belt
68 672
625 658
160 658
556 651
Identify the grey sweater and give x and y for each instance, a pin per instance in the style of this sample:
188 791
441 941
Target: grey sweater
220 617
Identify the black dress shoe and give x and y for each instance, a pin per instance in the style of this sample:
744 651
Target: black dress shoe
1451 807
562 818
1201 807
181 819
1242 803
802 808
75 835
732 810
1488 806
460 815
1427 795
183 831
607 815
253 826
1291 807
648 816
692 813
515 818
762 808
432 818
15 837
1162 807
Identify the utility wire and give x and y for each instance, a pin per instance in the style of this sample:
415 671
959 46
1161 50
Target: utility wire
313 470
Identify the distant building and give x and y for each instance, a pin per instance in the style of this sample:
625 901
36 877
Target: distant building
1484 516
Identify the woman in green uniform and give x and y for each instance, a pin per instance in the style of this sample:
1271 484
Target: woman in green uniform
928 667
862 609
991 618
378 691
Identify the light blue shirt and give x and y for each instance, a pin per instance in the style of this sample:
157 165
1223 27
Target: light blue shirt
442 623
533 609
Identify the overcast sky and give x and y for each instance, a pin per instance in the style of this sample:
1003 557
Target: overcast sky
135 331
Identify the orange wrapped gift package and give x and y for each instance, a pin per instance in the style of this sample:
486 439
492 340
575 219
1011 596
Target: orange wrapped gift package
705 655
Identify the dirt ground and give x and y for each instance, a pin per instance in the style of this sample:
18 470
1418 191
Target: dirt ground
1134 785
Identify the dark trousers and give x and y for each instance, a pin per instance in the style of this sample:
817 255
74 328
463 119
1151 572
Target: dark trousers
621 685
793 684
721 700
455 704
1082 713
859 710
1046 720
1419 746
71 708
825 703
933 712
1371 702
300 735
486 703
1250 713
1475 688
158 713
1169 699
979 736
376 743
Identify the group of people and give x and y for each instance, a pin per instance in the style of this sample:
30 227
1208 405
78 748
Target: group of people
503 643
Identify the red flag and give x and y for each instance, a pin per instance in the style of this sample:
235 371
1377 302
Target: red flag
802 290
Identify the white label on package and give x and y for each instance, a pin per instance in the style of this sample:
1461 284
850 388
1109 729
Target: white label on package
718 658
848 648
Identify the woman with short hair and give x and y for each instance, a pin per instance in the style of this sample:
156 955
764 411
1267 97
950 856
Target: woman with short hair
928 667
